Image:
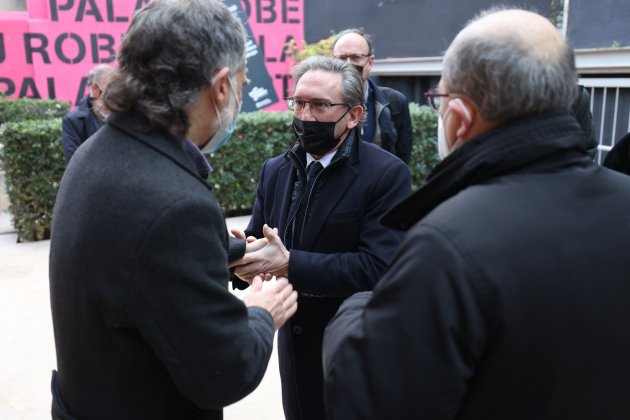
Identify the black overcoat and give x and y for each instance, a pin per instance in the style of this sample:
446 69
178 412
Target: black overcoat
508 298
344 249
145 326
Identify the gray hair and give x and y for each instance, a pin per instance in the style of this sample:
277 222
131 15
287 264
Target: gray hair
171 50
359 32
351 83
506 79
98 74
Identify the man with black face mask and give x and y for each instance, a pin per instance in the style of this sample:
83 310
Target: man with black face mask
387 123
329 240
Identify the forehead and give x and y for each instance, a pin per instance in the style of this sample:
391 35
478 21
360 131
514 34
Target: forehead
351 44
319 84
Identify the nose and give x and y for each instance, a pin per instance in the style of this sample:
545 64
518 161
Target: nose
307 113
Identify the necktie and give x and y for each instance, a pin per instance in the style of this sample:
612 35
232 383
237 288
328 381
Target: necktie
311 174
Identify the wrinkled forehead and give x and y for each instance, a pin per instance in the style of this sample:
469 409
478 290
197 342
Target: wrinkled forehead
319 84
351 43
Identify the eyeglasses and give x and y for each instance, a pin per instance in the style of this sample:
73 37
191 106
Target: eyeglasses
354 58
435 98
319 108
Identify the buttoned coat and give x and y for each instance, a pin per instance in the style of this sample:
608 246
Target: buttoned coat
145 325
344 249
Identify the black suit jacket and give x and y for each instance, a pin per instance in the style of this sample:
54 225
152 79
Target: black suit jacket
145 326
344 249
393 130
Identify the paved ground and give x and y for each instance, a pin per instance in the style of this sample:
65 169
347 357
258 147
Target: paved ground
27 352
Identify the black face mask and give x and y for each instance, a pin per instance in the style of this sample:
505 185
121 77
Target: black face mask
316 137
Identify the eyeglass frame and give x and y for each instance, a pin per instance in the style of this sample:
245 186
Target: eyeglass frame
431 96
292 99
345 57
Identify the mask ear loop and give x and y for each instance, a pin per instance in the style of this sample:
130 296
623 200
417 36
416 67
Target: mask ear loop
458 102
347 129
216 108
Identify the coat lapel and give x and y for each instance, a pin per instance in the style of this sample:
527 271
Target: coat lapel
283 194
331 191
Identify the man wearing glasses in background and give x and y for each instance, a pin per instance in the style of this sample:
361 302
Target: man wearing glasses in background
387 123
325 197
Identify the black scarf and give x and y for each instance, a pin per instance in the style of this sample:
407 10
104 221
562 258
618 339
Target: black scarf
499 151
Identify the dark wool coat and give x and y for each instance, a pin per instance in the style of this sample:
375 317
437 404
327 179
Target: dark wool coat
619 157
145 326
77 126
390 121
344 250
509 297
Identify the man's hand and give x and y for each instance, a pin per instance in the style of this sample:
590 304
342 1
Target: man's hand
278 298
272 259
251 244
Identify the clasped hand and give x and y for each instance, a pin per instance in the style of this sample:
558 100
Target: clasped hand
266 257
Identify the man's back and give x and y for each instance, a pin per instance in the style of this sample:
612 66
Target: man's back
145 326
542 254
510 295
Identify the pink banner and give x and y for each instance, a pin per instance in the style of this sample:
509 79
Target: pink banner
48 51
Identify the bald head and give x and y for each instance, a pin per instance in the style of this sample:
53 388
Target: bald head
511 62
531 32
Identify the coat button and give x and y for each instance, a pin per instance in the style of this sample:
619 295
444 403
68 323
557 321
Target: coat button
297 330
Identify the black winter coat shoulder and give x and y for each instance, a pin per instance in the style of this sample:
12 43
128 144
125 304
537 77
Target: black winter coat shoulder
145 327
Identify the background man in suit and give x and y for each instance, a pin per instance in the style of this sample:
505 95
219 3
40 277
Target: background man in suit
387 123
497 304
83 121
330 242
145 326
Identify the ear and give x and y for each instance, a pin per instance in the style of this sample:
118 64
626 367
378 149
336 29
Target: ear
355 116
370 62
220 87
465 115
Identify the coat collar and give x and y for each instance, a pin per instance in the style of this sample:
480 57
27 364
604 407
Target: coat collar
137 125
520 143
348 150
379 96
334 182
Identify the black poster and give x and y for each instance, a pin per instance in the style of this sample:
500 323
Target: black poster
259 92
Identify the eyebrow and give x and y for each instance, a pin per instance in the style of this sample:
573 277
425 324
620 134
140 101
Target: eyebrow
313 99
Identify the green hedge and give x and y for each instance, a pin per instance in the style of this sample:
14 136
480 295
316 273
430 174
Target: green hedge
257 137
33 161
424 154
31 109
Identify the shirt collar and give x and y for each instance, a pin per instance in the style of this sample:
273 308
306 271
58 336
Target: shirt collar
325 160
202 164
